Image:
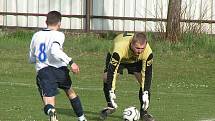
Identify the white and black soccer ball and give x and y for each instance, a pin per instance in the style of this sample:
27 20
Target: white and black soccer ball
131 114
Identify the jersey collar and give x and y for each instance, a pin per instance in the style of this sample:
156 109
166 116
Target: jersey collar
46 29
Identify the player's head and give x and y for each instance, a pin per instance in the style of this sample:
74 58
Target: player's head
138 43
53 19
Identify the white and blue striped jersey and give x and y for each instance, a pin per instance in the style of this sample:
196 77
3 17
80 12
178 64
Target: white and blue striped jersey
46 49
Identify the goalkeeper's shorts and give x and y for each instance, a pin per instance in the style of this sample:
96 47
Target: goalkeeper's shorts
131 67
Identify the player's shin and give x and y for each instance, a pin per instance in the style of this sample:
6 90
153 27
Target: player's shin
77 107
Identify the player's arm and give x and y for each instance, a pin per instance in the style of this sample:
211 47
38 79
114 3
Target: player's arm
148 73
111 79
146 81
32 57
57 52
112 70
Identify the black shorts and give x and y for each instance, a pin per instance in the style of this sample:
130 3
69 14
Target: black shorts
49 79
131 67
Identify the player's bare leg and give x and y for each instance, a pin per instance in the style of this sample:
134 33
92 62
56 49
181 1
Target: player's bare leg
70 93
76 104
49 109
144 115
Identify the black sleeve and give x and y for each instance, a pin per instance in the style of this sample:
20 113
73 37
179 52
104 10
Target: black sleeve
148 73
112 67
107 61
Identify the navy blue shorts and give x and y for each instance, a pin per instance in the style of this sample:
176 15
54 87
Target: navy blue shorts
49 79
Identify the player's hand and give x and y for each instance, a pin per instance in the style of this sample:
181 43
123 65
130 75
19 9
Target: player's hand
75 68
145 98
112 99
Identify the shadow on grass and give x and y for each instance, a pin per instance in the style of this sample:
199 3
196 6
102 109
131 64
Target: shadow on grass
91 115
67 112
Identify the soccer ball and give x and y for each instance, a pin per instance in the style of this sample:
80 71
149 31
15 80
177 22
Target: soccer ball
131 114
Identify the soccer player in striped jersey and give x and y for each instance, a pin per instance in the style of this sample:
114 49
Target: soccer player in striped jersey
130 51
46 52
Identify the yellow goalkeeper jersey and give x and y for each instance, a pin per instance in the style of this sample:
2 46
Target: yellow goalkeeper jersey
121 48
121 45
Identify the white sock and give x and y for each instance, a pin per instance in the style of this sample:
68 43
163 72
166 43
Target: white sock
49 111
81 118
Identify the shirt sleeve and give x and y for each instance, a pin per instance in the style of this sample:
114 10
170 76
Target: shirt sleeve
147 73
57 50
118 49
32 57
112 71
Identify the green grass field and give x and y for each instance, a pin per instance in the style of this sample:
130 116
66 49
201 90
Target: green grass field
183 87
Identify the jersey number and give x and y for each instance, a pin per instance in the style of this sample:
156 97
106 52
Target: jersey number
42 54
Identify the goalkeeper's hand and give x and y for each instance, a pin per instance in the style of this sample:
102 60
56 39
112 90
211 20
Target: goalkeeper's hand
112 99
145 98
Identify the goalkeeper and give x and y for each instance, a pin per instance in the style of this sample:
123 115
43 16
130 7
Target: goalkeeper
130 51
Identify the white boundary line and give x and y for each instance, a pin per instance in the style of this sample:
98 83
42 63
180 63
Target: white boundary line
208 119
95 89
99 89
16 84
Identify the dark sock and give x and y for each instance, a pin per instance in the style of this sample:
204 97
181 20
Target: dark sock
47 107
77 107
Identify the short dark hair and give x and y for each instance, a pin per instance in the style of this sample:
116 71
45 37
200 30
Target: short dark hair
139 37
53 17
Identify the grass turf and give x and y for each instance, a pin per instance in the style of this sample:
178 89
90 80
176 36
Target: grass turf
182 88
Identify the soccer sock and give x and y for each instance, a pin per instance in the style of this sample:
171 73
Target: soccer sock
82 118
77 107
106 92
47 108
